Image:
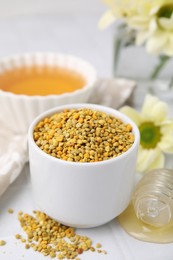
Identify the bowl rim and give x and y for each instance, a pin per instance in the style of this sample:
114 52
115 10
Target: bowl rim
5 62
102 108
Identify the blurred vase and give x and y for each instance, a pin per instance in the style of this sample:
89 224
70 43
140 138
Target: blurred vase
131 61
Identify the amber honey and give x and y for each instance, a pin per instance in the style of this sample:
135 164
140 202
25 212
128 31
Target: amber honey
41 81
139 230
149 217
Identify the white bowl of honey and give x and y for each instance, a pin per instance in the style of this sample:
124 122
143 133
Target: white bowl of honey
32 83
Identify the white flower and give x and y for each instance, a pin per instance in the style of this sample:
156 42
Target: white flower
158 34
152 20
156 133
119 9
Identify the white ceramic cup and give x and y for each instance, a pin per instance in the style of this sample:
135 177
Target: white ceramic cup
82 194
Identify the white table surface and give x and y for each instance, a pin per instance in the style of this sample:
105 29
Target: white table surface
118 244
80 36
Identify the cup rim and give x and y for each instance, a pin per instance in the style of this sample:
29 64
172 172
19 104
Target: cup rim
21 58
102 108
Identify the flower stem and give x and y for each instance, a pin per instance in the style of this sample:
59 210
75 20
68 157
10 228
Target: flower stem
171 83
162 61
117 50
123 39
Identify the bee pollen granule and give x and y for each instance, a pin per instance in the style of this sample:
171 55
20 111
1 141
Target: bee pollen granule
51 238
2 242
83 135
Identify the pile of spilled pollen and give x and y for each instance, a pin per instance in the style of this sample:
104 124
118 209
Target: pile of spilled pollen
53 239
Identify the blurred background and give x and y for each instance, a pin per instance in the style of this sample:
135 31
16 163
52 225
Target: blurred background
56 26
69 26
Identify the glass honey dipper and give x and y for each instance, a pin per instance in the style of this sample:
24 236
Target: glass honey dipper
149 216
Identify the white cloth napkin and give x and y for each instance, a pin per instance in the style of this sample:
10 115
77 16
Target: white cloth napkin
13 156
13 148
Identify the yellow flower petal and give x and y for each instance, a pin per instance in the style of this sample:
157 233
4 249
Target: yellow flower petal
132 113
106 20
166 143
154 110
141 160
145 158
159 112
156 43
155 9
153 26
143 35
158 162
166 23
148 104
169 46
148 159
166 127
139 22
